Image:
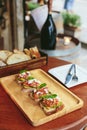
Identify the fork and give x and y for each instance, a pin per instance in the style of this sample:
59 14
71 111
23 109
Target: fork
75 77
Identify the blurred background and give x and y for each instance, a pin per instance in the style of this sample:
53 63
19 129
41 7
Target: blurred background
21 23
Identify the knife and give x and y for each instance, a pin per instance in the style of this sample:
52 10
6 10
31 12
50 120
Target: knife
69 75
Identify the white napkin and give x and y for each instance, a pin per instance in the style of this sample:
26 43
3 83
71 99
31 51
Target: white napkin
40 15
61 72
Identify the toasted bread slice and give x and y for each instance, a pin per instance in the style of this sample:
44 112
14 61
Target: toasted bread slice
16 58
34 52
51 103
4 54
27 52
51 110
22 76
39 91
48 111
36 94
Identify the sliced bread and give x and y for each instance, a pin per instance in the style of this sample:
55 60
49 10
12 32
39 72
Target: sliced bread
2 63
16 58
4 54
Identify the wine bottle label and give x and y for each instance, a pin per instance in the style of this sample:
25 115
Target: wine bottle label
50 12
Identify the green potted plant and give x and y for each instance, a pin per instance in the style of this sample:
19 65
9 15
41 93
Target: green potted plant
71 22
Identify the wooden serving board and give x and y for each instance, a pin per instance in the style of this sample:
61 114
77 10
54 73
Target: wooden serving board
32 110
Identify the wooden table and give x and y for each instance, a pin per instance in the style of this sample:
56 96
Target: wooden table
11 118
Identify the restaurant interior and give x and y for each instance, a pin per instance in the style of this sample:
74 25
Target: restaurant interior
17 28
21 24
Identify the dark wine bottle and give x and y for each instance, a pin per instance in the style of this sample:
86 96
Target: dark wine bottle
48 32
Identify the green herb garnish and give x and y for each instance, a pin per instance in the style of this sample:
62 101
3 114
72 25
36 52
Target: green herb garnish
30 78
49 96
42 85
22 71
